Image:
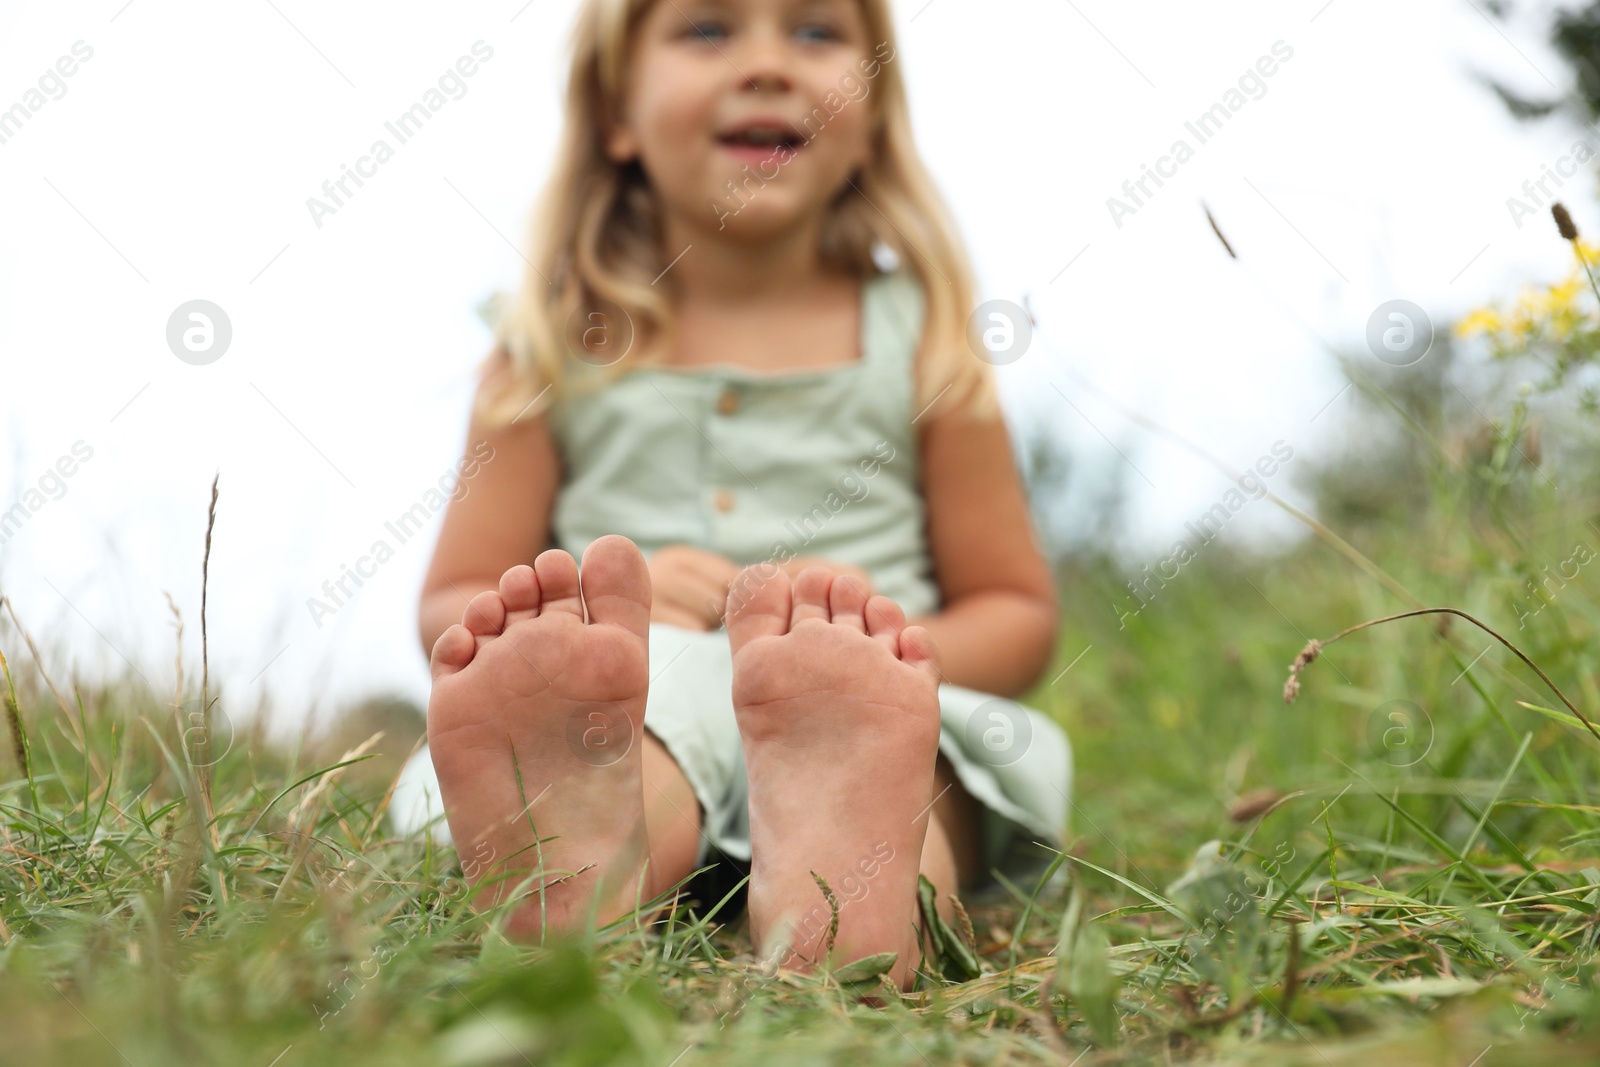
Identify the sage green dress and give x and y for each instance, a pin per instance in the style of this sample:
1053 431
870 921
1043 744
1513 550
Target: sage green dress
758 466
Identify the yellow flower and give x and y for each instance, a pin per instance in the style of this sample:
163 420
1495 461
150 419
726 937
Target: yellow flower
1480 320
1559 297
1552 313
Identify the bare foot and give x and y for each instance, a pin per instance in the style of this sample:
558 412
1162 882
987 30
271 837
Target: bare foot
837 702
526 674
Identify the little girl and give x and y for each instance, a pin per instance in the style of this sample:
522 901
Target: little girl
737 385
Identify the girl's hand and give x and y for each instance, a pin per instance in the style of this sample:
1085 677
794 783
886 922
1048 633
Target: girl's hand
800 563
689 586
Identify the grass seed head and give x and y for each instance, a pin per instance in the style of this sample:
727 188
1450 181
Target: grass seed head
1257 802
1564 223
1307 656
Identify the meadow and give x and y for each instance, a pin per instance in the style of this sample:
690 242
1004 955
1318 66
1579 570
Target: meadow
1401 866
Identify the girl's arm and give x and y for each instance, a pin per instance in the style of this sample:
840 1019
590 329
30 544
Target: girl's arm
996 631
503 520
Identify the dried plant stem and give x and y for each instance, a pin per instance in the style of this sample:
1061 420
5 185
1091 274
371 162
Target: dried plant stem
1218 231
177 621
1569 232
1308 655
1586 269
38 663
205 666
964 922
19 736
1291 980
833 921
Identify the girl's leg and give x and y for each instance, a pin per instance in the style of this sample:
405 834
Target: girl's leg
960 821
952 853
672 815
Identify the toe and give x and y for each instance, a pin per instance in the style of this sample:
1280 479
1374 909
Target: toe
847 603
811 595
616 584
519 588
758 604
452 651
486 614
558 583
917 648
885 620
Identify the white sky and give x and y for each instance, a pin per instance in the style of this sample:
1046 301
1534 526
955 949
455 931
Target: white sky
178 162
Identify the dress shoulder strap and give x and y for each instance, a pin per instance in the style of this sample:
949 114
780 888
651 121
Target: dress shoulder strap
894 306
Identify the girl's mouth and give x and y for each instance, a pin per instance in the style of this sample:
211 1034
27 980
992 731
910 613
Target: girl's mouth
755 150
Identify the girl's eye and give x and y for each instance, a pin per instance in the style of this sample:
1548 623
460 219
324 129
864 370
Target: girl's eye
813 32
704 30
827 32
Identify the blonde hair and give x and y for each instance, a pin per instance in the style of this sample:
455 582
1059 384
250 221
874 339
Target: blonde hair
594 237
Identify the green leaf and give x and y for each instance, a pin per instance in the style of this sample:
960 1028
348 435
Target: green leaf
1092 985
928 898
1068 935
866 969
956 960
1562 717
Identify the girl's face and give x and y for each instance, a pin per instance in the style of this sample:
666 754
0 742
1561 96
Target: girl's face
704 72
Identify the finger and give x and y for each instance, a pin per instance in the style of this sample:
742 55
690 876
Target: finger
709 584
704 612
699 559
673 615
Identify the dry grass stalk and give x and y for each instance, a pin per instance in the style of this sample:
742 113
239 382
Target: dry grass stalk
1218 231
177 621
19 739
1569 231
205 666
964 923
1308 655
38 661
1564 223
1254 803
833 921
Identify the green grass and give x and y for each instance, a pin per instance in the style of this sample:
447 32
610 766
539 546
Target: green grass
1380 891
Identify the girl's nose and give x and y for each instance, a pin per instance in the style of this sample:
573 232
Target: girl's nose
764 61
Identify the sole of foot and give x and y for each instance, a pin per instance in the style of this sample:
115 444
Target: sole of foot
535 726
838 707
